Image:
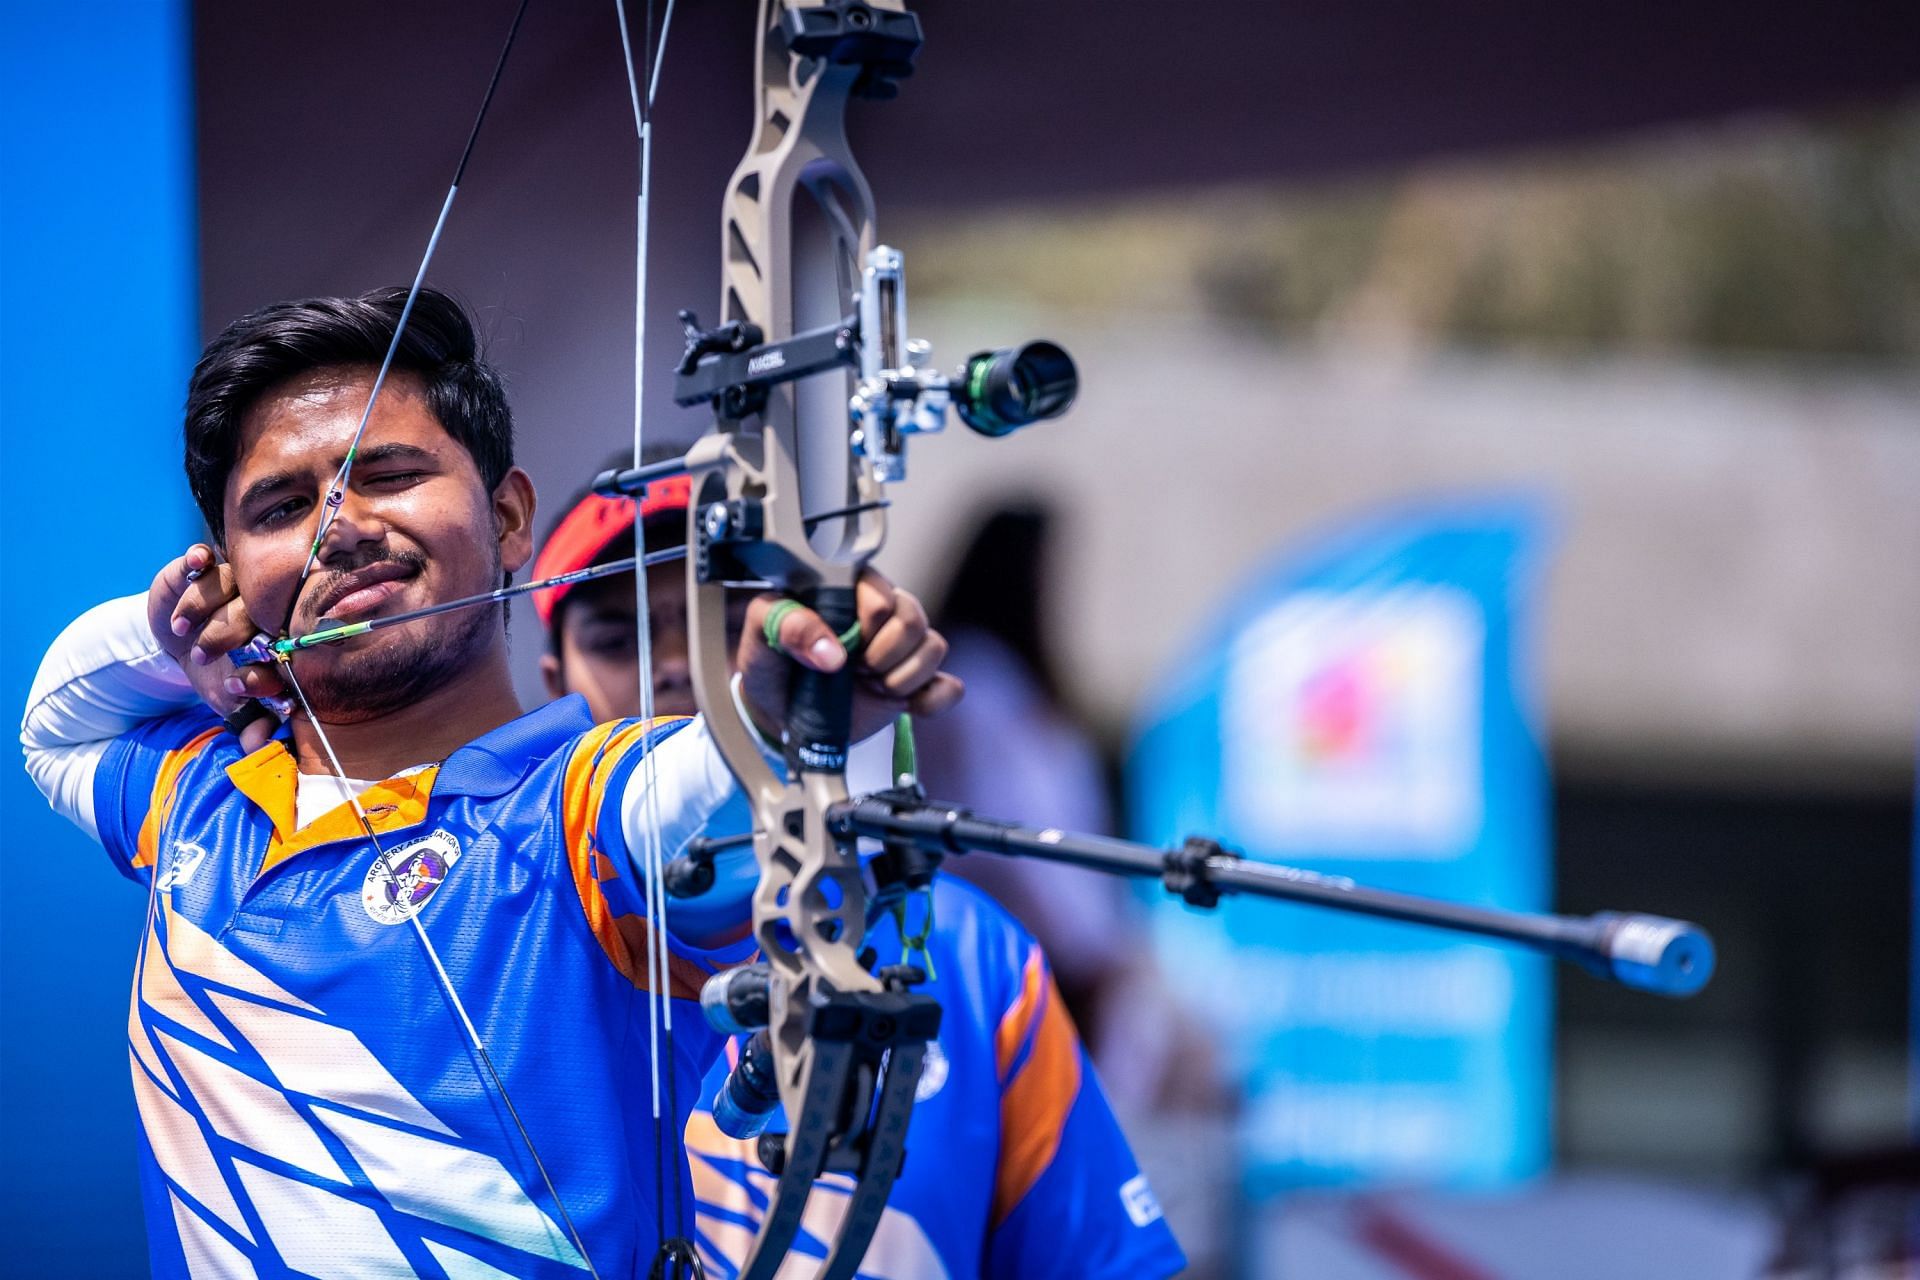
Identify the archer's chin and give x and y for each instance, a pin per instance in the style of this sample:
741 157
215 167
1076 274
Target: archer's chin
382 672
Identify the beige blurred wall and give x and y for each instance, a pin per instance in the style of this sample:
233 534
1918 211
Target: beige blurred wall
1736 591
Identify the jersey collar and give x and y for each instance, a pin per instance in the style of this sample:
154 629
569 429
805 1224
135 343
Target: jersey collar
491 765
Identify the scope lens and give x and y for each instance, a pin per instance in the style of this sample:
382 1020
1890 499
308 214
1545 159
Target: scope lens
1002 391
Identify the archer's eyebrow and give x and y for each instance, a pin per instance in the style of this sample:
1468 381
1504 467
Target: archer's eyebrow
270 484
266 486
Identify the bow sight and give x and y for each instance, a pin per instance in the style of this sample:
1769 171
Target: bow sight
733 368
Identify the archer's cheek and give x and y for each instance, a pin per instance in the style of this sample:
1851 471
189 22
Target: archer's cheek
459 544
261 597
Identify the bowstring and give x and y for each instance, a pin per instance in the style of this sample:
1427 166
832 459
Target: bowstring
440 970
659 957
337 488
329 511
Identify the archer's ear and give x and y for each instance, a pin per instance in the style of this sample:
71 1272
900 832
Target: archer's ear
513 507
552 676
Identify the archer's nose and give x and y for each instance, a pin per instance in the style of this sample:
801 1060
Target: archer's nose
351 527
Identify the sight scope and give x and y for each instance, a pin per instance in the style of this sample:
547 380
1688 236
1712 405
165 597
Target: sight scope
998 392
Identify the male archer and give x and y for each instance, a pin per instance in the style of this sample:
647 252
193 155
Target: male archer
1016 1167
333 1078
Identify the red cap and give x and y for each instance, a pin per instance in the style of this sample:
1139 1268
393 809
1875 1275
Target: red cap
584 532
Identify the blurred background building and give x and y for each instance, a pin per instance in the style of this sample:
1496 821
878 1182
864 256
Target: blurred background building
1655 266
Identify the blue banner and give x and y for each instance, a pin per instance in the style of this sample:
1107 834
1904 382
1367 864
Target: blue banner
1368 707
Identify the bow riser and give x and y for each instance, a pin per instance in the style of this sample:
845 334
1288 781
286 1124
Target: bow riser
797 227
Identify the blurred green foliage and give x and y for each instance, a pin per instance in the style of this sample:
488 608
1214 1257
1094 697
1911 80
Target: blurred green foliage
1760 236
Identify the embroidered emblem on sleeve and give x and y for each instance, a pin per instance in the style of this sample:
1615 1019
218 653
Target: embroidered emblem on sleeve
1141 1204
401 880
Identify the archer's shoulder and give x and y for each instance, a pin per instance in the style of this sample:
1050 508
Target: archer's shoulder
560 735
593 760
979 935
190 734
608 743
960 902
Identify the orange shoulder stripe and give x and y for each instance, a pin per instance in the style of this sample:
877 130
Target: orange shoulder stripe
583 791
1017 1021
1035 1103
160 804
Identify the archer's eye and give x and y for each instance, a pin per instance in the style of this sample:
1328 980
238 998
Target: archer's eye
394 481
283 512
610 643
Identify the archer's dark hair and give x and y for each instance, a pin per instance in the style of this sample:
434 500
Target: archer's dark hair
258 352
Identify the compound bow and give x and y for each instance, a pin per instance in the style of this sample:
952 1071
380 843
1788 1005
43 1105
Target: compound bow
816 389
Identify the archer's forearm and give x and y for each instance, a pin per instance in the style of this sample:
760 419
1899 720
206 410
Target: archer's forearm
682 791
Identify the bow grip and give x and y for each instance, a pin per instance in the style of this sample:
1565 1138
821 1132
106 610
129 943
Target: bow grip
819 703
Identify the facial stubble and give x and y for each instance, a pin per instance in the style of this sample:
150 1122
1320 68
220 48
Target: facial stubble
379 674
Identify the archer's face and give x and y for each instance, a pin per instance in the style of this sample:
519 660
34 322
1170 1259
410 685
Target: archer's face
417 527
598 655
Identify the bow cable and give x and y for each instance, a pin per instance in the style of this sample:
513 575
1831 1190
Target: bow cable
337 490
677 1249
440 972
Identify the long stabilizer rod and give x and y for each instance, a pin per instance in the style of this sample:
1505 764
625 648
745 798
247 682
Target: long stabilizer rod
1649 953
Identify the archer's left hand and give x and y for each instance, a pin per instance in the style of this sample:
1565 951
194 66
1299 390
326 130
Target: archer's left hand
897 669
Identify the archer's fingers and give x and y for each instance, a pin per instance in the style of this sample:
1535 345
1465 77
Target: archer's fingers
937 695
225 627
258 734
875 600
913 672
253 723
898 635
256 680
211 590
168 586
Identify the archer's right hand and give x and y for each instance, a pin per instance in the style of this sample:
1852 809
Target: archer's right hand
197 617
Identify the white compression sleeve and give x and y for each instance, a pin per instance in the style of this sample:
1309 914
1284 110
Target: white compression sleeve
698 796
102 677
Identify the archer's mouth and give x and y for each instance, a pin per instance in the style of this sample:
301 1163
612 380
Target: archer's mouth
357 595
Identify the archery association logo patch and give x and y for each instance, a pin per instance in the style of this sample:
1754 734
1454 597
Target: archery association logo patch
401 880
183 859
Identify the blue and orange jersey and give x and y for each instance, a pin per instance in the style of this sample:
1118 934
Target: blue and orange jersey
1015 1165
310 1102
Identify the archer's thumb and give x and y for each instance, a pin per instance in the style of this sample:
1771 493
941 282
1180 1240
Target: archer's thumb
807 638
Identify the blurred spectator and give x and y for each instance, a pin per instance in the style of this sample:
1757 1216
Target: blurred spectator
1013 750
